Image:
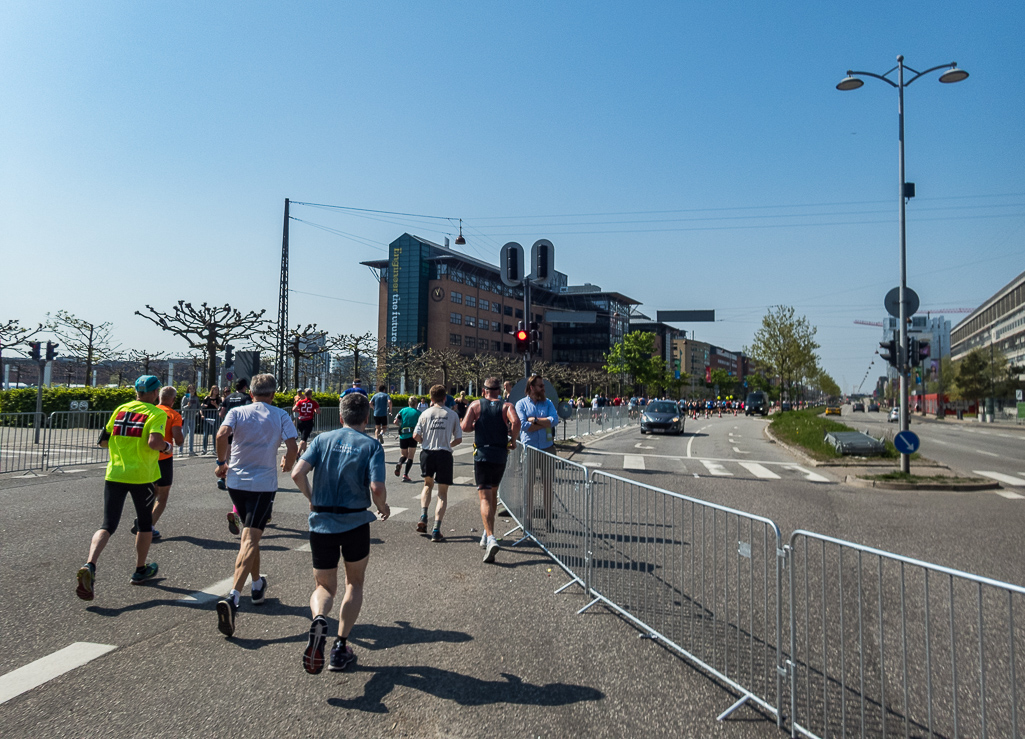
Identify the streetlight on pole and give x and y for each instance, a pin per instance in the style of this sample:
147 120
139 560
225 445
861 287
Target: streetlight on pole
852 82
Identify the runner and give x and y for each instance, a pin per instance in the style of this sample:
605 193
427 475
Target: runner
349 475
134 434
438 430
357 387
496 427
173 430
305 409
381 402
406 421
254 433
233 400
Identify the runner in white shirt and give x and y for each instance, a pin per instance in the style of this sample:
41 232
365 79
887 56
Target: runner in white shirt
437 430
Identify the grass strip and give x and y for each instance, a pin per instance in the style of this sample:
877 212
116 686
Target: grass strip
807 429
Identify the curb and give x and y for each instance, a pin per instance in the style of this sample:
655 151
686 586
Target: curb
965 487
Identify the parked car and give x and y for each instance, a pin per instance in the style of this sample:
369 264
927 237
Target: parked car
894 414
662 415
756 402
873 407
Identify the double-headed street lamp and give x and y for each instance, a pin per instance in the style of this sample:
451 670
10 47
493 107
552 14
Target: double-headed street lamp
852 82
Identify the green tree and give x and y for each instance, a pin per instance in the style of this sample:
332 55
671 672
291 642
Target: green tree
785 345
827 384
633 357
973 375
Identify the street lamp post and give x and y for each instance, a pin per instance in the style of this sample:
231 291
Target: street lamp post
852 82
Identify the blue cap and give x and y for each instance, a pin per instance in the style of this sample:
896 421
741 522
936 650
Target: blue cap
147 384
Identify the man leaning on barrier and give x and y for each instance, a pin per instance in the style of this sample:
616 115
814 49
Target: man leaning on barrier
538 419
135 437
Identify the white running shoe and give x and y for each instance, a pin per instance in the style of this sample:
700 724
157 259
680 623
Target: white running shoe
492 550
484 540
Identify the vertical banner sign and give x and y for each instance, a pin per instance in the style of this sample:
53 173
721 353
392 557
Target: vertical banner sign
394 307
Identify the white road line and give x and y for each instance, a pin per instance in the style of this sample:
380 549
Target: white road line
988 454
461 480
303 548
759 471
1000 477
396 511
738 451
219 589
938 441
47 668
716 469
462 451
636 462
1009 494
808 474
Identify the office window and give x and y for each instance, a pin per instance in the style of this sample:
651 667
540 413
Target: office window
508 310
470 342
496 346
456 276
508 328
484 306
506 347
456 297
455 339
470 321
496 308
471 302
496 326
519 312
456 318
471 280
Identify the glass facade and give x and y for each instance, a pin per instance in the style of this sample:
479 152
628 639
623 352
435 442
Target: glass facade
408 273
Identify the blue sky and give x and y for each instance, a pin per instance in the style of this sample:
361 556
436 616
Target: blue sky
690 155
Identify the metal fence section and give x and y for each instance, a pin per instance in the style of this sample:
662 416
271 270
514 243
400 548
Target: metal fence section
883 645
21 445
586 421
702 578
72 438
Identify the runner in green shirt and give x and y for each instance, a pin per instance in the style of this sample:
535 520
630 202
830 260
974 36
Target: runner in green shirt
406 421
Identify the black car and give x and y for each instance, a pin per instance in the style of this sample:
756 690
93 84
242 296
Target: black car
662 415
756 403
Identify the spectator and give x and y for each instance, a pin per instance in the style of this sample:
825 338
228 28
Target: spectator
538 419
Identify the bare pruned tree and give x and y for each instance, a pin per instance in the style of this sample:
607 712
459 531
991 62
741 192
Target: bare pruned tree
397 361
143 358
448 363
208 328
13 335
301 342
358 345
91 341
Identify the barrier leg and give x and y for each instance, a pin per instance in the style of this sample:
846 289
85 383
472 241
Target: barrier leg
733 708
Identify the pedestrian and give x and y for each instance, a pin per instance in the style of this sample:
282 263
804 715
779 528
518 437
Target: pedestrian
421 404
190 412
406 421
438 431
172 431
349 475
210 409
461 405
305 408
254 432
357 387
381 402
496 427
507 388
134 434
538 419
233 400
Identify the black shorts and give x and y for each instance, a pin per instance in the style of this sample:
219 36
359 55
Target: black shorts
409 443
437 463
488 474
114 494
380 420
305 428
166 473
253 508
352 546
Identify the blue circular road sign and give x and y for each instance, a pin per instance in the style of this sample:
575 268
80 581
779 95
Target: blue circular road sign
907 442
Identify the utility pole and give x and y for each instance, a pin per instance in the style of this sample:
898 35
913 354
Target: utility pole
283 298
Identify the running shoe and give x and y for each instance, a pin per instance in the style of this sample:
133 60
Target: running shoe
407 478
436 536
313 657
86 576
226 610
148 573
234 523
398 469
421 526
492 552
260 595
156 535
341 657
484 540
221 484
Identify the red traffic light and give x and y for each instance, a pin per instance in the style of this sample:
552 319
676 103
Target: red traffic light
521 335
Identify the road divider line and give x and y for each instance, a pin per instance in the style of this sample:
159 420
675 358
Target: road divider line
47 668
716 469
1001 477
759 471
636 462
988 454
1008 494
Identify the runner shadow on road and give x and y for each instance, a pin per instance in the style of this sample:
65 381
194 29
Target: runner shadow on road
463 689
221 544
375 636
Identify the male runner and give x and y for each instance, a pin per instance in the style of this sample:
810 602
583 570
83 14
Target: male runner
381 402
438 430
349 475
172 431
497 426
135 436
406 421
305 408
233 400
357 387
255 432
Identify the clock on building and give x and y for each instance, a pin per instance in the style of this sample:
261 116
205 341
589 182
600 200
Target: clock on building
437 294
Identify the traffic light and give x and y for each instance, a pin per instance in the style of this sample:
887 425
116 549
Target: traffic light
522 339
229 355
912 351
888 351
512 264
51 350
543 256
924 351
34 353
535 338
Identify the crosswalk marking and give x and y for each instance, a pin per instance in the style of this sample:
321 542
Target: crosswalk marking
47 668
759 471
1010 495
1001 477
716 469
808 474
633 462
463 450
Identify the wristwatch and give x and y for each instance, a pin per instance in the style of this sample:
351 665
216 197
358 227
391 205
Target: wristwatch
220 463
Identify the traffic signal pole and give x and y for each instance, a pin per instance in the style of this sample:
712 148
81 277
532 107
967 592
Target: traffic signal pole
526 323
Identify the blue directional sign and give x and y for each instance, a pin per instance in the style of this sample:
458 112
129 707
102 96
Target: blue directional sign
907 442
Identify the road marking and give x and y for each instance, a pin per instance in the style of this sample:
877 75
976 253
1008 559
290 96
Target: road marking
47 668
1009 494
759 471
219 589
461 480
937 441
396 511
738 451
636 462
988 454
464 450
1000 477
639 446
689 443
303 548
808 474
716 469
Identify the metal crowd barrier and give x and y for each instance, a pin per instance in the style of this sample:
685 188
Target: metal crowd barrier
884 645
72 436
586 421
21 447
